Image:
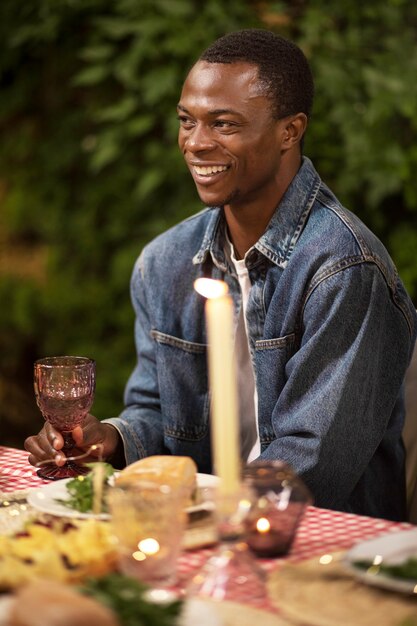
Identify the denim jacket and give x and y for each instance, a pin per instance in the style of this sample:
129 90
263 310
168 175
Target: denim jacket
331 331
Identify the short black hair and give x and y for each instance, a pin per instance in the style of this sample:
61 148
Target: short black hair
282 67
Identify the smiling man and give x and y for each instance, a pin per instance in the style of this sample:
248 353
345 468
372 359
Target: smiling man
324 327
242 157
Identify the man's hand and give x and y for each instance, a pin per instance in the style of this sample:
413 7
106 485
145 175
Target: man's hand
93 439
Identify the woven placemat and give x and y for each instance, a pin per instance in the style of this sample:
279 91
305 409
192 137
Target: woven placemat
14 511
213 613
19 495
236 614
320 592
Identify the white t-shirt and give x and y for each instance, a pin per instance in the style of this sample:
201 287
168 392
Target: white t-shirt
247 394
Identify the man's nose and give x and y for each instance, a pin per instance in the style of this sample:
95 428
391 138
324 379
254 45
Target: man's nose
200 139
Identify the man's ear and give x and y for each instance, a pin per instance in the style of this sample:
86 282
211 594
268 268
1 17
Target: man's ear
293 130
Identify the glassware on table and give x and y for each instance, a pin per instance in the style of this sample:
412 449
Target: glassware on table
148 521
280 501
232 572
64 391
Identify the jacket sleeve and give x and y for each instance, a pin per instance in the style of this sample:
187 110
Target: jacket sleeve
340 405
140 423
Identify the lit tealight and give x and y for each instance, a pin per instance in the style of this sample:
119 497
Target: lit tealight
149 546
263 525
210 288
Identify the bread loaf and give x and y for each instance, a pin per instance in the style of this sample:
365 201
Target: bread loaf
163 470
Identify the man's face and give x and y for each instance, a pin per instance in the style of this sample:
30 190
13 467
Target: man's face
229 139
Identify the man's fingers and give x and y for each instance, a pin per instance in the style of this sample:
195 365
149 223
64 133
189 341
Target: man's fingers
90 437
78 435
53 436
45 447
42 451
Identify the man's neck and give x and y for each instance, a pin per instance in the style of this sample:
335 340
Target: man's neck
244 234
247 223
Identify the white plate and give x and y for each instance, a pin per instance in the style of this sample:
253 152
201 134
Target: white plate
393 548
205 485
45 498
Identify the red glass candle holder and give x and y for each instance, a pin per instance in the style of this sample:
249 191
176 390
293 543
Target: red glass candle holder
280 499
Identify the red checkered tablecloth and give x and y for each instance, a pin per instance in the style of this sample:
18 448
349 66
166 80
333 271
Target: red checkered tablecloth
15 471
321 531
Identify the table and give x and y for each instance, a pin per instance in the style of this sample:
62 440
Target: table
321 531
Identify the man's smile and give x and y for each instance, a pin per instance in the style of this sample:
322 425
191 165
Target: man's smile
209 170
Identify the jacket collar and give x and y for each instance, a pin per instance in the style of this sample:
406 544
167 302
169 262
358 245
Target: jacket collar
282 232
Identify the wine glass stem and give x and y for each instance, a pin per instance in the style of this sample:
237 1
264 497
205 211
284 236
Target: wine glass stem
68 442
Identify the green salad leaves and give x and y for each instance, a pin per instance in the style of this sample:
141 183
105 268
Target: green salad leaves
81 490
127 598
406 570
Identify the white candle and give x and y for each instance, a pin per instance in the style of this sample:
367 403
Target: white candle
222 379
98 478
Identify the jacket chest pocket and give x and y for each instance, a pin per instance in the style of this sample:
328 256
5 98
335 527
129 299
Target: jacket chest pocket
272 356
182 375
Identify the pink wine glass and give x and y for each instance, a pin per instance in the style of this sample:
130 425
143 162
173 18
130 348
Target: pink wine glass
64 390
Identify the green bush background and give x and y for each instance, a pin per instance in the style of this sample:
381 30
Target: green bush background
90 169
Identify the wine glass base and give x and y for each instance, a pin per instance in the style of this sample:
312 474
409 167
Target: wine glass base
230 574
69 470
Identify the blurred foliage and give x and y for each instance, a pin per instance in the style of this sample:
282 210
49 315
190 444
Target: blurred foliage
364 132
90 169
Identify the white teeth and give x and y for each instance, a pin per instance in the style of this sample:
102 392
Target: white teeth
208 171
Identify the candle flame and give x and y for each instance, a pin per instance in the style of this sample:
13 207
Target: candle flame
210 288
149 546
263 525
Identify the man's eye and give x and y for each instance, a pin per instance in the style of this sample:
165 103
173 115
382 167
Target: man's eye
223 124
185 121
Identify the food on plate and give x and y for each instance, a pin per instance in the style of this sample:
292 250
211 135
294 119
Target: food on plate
405 570
169 470
161 469
83 489
111 600
56 550
50 603
127 597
